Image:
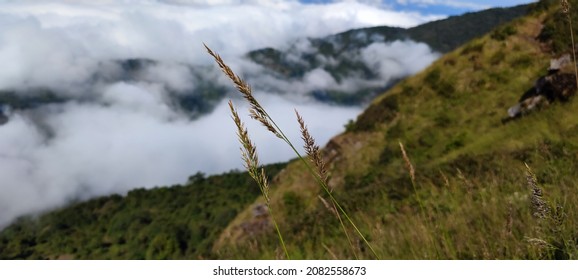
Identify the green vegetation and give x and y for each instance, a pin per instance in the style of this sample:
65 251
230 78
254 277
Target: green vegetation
556 30
480 189
466 27
177 222
315 166
442 36
471 180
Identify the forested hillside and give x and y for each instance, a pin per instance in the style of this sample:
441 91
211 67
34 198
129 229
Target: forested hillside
469 183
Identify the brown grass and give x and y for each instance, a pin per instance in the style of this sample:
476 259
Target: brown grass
565 7
408 164
540 208
258 113
312 149
251 162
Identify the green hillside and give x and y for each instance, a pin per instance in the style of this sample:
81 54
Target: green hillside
177 222
339 54
206 94
472 196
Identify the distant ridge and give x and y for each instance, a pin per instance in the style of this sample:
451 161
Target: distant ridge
342 50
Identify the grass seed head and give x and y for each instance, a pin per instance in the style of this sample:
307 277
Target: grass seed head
408 164
540 207
257 112
312 149
565 6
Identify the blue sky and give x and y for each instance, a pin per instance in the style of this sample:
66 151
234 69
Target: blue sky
443 7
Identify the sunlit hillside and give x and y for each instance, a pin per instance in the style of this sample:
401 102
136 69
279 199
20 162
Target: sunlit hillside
473 184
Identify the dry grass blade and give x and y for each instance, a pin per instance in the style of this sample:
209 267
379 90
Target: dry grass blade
408 164
565 7
333 209
257 112
540 243
425 215
327 206
312 149
241 85
249 153
330 252
251 162
469 185
445 178
540 208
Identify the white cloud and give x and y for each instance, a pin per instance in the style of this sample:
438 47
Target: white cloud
116 135
397 59
97 149
387 60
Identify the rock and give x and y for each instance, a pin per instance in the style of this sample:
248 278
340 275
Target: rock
555 86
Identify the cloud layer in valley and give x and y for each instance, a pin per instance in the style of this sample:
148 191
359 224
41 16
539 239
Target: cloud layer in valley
113 133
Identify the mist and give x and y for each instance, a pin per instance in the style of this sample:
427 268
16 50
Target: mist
115 130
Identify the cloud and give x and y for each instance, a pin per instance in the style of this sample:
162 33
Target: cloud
397 59
119 129
88 150
386 62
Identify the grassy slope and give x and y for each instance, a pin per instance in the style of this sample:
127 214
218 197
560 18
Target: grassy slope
471 198
464 27
343 50
471 180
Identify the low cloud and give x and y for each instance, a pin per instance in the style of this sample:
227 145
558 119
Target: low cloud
386 61
118 130
86 150
397 59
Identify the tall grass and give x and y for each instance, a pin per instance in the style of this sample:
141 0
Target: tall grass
315 166
565 6
424 214
251 162
471 200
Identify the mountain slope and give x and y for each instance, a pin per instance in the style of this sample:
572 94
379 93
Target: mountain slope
177 222
470 199
448 34
441 35
201 93
346 54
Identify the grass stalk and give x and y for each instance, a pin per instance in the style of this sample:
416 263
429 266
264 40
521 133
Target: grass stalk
258 113
251 162
425 217
566 11
540 208
411 171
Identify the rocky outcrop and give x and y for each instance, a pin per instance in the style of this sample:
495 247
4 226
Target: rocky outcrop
555 86
259 222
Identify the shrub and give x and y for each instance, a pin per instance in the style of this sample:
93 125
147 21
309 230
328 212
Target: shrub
502 33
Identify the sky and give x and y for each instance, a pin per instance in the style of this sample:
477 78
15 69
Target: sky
113 136
444 7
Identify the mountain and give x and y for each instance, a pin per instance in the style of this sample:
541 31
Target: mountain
194 101
175 222
340 54
479 189
204 94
